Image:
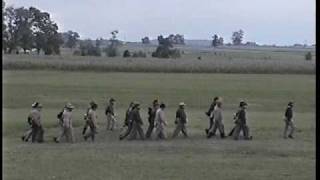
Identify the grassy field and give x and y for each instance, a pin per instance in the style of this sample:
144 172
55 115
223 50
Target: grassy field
268 156
220 60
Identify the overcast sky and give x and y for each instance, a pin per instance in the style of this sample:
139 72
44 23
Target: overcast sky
281 22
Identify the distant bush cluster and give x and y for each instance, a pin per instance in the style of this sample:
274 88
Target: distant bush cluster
308 56
127 53
164 49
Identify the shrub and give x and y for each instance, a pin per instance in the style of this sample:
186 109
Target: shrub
139 54
76 53
308 56
126 53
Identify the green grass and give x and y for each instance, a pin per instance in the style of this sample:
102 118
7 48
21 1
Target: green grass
268 156
220 60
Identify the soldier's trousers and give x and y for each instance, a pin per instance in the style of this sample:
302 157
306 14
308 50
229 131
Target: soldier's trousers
92 132
68 133
150 129
160 133
110 122
37 134
85 127
231 132
136 129
217 125
127 132
180 127
211 122
288 124
241 127
27 135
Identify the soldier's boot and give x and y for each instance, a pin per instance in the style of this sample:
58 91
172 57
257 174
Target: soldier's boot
290 136
85 138
222 135
207 131
23 138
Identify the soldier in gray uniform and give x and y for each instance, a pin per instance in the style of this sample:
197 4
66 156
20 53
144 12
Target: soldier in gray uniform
218 124
241 123
86 121
136 122
36 123
211 115
27 135
152 114
110 115
181 121
288 119
66 124
160 122
127 122
91 120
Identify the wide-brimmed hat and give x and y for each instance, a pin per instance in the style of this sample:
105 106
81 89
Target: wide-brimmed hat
290 104
182 104
162 105
112 100
155 101
36 105
216 98
136 104
243 103
93 104
69 106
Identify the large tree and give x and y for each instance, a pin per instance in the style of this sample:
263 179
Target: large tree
30 28
70 39
237 37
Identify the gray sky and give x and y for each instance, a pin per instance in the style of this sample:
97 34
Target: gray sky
281 22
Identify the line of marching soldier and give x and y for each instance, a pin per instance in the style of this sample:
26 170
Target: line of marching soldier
133 123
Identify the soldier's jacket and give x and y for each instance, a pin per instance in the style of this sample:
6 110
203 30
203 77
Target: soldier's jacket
152 115
211 108
160 118
127 119
181 116
217 114
35 117
67 119
92 117
289 114
110 110
135 116
241 117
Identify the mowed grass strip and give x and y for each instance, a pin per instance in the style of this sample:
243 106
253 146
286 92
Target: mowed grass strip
267 156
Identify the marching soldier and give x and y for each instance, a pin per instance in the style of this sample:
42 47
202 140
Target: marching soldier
36 123
211 115
110 115
86 121
91 121
127 122
136 122
152 114
27 135
217 121
66 124
288 121
235 117
160 122
181 121
241 124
